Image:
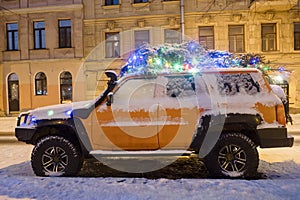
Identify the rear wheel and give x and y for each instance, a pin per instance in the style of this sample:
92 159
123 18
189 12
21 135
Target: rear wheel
56 156
234 156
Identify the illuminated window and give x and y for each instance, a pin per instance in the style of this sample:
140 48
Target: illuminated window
40 84
12 36
206 36
268 35
39 35
64 33
112 45
65 87
236 38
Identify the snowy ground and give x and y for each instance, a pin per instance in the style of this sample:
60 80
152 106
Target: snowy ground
279 168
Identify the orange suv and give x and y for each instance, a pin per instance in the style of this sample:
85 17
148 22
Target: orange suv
222 115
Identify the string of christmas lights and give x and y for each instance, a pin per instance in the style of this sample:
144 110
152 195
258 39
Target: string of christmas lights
188 57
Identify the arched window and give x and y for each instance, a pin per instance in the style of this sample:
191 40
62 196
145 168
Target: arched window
13 92
65 87
40 84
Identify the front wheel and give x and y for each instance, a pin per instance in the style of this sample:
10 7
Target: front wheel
55 156
234 156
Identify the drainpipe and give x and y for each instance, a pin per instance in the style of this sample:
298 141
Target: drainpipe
182 38
30 84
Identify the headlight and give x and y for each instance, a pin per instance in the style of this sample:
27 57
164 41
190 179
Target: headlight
30 119
26 119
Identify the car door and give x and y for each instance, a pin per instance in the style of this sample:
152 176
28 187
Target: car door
178 111
130 122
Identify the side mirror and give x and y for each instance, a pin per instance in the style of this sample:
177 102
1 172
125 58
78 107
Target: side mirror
110 99
112 75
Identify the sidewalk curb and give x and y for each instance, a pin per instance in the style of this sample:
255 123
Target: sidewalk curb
7 133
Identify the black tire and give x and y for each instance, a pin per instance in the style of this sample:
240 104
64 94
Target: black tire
234 156
56 156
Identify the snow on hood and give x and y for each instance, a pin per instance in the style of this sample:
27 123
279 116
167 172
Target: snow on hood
59 111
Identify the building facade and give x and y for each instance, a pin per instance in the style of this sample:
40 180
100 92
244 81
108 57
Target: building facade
56 51
41 50
266 27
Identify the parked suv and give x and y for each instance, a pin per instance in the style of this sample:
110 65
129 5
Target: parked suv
222 115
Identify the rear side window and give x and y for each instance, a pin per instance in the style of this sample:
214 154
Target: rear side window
233 84
179 86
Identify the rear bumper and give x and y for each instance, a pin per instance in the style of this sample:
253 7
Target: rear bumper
24 134
274 137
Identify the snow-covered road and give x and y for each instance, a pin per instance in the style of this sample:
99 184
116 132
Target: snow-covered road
280 167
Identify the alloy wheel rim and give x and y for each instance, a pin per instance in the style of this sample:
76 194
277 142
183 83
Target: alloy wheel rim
232 158
55 160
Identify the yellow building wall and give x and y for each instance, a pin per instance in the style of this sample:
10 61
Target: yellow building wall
26 62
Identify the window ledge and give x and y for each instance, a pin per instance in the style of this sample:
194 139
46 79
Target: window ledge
139 5
113 58
64 48
271 52
40 95
170 2
41 49
11 50
111 7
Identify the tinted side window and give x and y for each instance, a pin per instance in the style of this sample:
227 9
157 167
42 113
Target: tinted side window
233 84
180 86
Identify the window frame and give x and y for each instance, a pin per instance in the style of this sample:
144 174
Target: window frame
173 39
140 42
111 2
186 90
115 52
40 83
64 34
266 38
296 39
65 76
207 37
13 40
39 33
236 39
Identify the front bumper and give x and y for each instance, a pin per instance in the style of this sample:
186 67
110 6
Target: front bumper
275 137
25 134
24 131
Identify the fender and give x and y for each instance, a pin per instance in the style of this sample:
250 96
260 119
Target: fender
74 124
211 127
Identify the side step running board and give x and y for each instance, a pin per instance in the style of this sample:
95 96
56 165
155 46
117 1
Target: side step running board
140 153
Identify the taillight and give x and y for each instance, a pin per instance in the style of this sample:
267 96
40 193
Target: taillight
280 115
